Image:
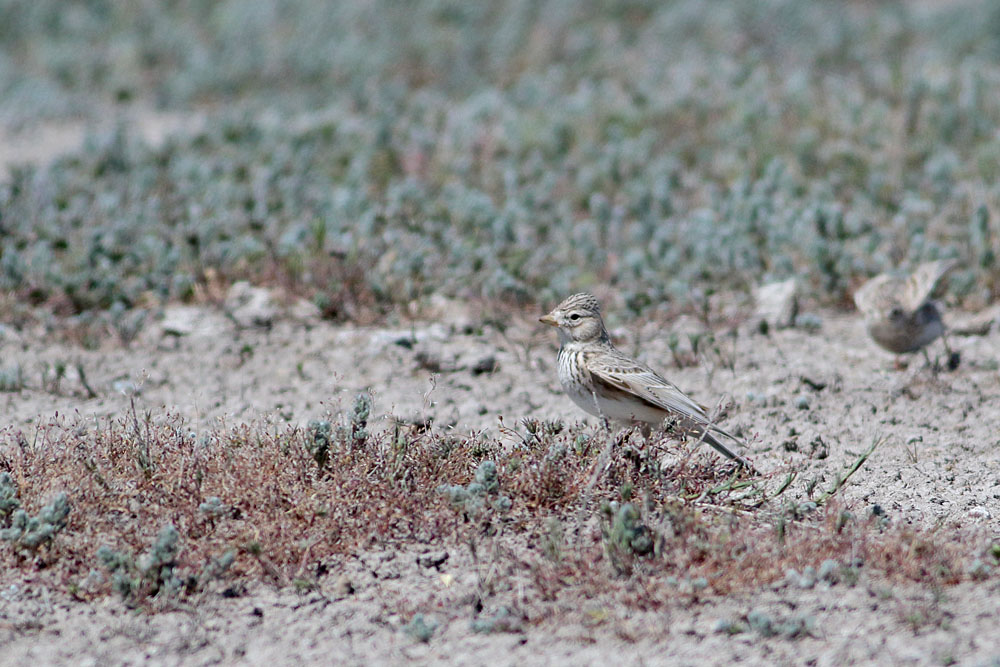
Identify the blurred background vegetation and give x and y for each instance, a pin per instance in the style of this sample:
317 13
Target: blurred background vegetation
376 152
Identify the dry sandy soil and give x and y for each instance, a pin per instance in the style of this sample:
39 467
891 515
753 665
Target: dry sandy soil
938 466
789 394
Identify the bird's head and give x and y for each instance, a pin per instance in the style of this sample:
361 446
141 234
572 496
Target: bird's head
578 318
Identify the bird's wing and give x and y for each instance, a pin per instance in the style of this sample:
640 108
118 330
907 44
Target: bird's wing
879 295
615 370
882 293
617 373
921 283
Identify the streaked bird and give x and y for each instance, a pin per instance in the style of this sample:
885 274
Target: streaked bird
610 385
898 310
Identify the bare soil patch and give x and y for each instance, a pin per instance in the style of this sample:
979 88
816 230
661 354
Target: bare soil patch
923 505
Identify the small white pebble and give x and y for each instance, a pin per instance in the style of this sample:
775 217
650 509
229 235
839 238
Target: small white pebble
979 512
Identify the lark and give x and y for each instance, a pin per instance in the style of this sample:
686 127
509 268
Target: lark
610 385
898 311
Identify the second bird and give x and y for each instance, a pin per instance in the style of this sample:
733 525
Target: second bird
608 384
898 311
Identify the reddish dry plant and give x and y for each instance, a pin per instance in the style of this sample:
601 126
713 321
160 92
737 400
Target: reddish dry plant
737 553
127 480
284 514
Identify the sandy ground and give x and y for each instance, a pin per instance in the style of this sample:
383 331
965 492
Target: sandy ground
790 394
857 625
939 466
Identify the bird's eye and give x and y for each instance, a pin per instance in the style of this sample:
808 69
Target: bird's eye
574 316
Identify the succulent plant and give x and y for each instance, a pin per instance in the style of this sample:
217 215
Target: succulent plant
454 160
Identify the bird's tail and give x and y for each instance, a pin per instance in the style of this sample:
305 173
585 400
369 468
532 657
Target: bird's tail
705 435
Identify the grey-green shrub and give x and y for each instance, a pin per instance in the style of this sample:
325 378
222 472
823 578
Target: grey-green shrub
626 531
440 148
420 628
31 532
8 495
359 419
151 573
625 535
318 441
477 494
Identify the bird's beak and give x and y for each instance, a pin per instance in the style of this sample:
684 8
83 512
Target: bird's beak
548 319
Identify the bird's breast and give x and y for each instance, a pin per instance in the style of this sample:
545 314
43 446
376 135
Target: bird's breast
908 335
597 399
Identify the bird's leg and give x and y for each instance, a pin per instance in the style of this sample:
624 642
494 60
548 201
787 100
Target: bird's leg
600 413
640 454
646 430
671 426
933 364
629 451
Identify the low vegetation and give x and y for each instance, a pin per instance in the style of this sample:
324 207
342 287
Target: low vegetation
370 155
516 151
153 512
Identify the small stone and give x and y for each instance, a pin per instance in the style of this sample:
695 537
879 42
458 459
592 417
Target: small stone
457 315
980 513
343 586
432 559
181 321
250 306
305 311
777 304
802 402
484 365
